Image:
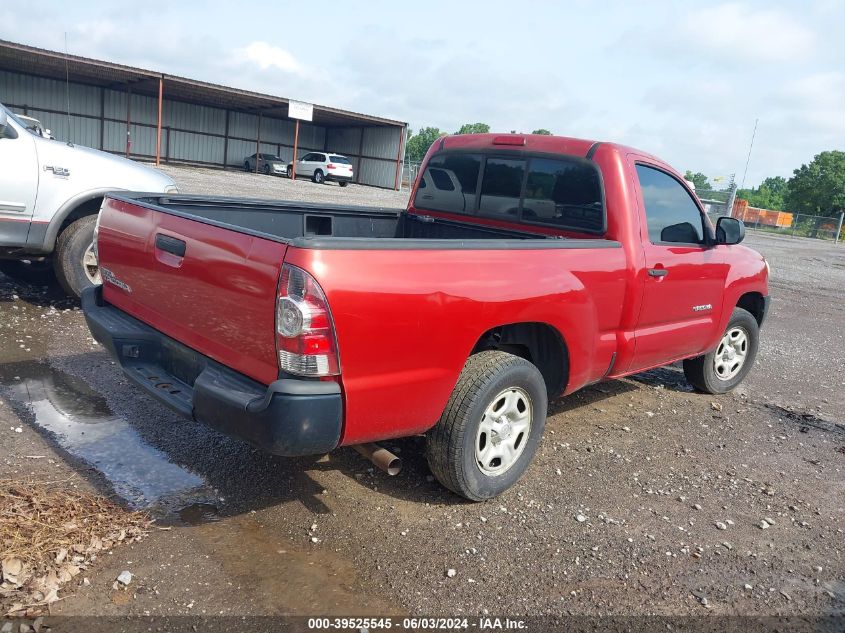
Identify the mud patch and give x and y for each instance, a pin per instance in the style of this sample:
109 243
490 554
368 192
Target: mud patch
806 421
83 424
281 579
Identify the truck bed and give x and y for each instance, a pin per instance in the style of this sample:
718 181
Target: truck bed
291 221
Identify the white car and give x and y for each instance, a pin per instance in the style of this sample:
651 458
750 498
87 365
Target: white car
50 194
324 167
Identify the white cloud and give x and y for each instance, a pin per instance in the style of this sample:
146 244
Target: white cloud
738 33
266 56
682 80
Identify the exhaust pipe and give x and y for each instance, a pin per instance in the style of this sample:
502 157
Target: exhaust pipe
381 457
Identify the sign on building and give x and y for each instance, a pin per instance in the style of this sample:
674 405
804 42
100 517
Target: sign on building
300 110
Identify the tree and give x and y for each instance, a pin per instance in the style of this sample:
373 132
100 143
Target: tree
419 143
474 128
771 194
819 188
699 180
542 131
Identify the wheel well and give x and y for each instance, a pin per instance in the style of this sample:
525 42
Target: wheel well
538 343
89 207
753 302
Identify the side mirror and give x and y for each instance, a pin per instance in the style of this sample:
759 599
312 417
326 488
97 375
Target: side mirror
729 231
682 233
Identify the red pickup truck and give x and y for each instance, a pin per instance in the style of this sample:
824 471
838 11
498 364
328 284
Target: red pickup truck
524 268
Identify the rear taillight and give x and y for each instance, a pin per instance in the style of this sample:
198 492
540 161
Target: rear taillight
331 166
304 329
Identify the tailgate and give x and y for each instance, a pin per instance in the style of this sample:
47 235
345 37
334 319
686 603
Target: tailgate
210 288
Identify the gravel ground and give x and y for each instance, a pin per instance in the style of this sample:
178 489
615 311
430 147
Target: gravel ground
644 498
250 185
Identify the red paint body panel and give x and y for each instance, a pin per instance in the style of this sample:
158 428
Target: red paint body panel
220 299
406 322
407 319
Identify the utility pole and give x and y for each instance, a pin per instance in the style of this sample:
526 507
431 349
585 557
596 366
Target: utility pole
748 160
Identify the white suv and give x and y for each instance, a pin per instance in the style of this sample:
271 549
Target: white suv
323 167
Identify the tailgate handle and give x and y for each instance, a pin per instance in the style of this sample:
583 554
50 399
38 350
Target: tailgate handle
171 245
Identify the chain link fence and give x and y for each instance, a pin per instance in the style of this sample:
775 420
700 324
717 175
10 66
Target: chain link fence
717 202
801 225
721 202
791 224
409 174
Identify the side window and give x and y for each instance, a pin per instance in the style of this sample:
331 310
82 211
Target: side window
671 213
308 157
565 193
501 187
454 181
442 179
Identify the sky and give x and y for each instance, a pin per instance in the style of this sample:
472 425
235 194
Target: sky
682 80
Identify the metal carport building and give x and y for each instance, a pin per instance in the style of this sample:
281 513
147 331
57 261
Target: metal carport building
154 116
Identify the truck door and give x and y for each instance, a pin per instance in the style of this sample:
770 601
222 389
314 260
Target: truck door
684 277
18 181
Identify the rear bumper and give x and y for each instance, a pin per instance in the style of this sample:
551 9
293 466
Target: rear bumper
289 417
336 178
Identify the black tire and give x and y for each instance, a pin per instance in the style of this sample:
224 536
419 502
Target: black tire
36 272
266 170
290 172
318 177
451 444
343 183
701 371
71 247
246 166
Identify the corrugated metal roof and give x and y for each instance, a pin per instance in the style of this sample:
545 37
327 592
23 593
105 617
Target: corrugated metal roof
55 65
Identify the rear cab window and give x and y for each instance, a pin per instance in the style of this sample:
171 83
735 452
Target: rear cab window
555 191
450 183
339 159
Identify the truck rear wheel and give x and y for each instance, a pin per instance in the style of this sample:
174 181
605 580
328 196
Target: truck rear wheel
74 262
490 429
725 367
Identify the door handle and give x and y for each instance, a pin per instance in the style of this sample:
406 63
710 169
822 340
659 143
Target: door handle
171 245
657 272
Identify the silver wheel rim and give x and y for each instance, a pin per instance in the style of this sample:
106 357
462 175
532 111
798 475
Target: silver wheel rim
731 353
503 432
90 266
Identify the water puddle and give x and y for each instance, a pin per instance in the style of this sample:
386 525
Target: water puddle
84 425
198 513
